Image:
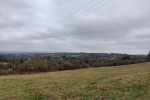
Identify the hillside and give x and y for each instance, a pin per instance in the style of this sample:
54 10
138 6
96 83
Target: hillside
120 82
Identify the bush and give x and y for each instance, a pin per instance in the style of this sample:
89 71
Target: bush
115 63
77 64
96 64
25 67
148 57
59 62
0 71
133 62
4 72
1 65
127 62
109 64
55 66
68 66
84 65
126 58
39 65
5 67
50 67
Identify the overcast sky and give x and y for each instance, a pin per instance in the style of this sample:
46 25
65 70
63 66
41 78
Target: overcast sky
119 26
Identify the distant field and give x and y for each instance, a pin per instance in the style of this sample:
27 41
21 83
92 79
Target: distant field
130 82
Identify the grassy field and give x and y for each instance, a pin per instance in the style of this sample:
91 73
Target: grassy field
130 82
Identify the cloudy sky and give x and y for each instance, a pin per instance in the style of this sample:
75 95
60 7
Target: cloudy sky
118 26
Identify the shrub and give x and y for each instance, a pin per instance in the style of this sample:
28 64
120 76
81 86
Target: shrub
115 63
39 65
1 65
102 64
0 71
77 64
68 66
50 67
84 65
96 64
87 61
126 58
127 62
59 62
109 64
71 60
5 67
133 62
121 63
148 57
4 72
26 66
60 67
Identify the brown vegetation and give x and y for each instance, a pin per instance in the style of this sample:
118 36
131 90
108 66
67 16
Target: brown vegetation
38 64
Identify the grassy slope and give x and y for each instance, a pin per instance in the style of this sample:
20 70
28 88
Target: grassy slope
125 82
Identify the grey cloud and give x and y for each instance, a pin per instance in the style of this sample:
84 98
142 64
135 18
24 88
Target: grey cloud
120 26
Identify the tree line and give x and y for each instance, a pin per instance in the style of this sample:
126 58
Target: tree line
40 63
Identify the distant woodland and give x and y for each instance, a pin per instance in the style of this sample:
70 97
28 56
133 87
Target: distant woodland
46 62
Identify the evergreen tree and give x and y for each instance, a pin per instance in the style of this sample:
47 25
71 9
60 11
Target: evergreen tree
21 61
148 56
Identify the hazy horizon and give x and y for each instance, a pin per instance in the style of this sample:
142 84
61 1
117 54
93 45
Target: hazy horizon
7 52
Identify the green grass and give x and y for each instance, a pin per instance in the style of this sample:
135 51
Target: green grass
111 83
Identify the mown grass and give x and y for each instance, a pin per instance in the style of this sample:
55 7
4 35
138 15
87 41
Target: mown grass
130 82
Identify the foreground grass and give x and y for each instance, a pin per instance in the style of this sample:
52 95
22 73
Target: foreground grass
110 83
